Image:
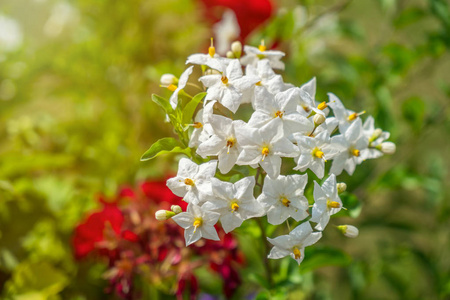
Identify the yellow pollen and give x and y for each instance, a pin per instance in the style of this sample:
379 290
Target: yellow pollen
224 80
353 116
322 105
197 125
230 144
317 153
172 87
189 181
279 114
234 206
297 253
197 223
333 204
265 152
306 108
258 83
285 201
262 47
355 152
211 49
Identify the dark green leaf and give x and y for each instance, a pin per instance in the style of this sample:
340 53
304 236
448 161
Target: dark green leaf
165 145
320 257
189 109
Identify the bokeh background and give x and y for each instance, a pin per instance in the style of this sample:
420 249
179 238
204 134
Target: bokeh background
76 79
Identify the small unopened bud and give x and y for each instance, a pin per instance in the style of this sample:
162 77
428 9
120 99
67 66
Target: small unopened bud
168 79
230 54
388 147
318 119
162 215
376 134
349 230
236 47
212 72
176 209
341 187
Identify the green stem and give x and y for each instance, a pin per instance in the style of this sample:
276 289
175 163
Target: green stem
268 268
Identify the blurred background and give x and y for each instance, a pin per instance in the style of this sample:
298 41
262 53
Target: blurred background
76 79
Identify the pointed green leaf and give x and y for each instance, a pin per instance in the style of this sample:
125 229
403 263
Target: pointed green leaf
189 109
165 145
164 103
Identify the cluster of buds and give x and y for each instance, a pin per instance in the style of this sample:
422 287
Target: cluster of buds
286 126
126 235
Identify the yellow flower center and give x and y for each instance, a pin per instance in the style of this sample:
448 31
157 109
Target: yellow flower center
265 152
322 105
333 204
189 181
297 253
197 223
353 116
172 87
197 125
306 108
258 83
355 152
224 80
285 201
230 143
262 47
317 153
279 114
234 206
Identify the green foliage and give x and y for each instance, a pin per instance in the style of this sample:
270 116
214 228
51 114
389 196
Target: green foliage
165 145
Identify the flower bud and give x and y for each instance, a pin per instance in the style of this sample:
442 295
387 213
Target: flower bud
388 147
168 79
236 47
349 230
341 187
212 72
318 119
162 215
230 54
176 209
376 134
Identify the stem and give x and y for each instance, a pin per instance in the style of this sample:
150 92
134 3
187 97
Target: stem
289 227
266 250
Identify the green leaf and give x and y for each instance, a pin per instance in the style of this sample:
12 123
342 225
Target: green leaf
189 109
164 103
320 257
165 145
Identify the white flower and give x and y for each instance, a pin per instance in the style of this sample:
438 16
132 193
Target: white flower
227 88
281 108
376 137
202 130
234 202
181 85
327 202
294 244
305 104
388 147
226 31
344 116
197 223
355 144
265 146
205 59
193 182
253 55
168 79
310 88
223 142
349 230
283 197
314 152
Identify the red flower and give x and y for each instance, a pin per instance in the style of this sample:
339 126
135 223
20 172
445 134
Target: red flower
97 228
250 14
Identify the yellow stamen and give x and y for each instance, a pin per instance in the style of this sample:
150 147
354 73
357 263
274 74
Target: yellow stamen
189 181
197 125
230 143
224 80
265 152
211 49
333 204
317 153
355 152
172 87
279 114
306 108
322 105
197 223
258 83
353 116
285 201
234 207
297 253
262 47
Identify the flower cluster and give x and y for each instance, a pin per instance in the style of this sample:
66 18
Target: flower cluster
125 233
285 126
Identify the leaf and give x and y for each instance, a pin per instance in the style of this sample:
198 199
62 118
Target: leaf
320 257
189 109
164 103
165 145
